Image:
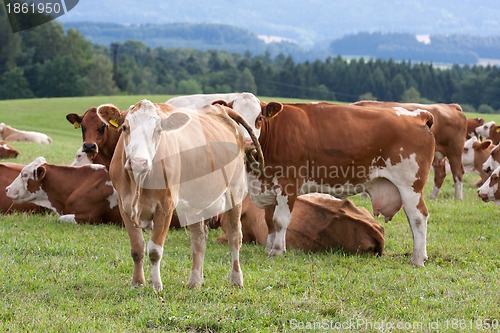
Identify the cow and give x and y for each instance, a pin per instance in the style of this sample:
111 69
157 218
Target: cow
177 158
7 151
493 161
472 124
343 150
246 104
319 222
490 190
484 129
76 194
9 172
449 129
81 158
11 134
474 155
99 140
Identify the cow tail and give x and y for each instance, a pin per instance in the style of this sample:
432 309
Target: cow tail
240 120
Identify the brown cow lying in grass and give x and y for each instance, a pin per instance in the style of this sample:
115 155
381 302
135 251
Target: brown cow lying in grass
9 133
319 222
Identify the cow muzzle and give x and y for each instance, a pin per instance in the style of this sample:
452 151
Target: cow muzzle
90 148
483 196
11 193
138 166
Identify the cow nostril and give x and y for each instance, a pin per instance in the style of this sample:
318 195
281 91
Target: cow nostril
89 147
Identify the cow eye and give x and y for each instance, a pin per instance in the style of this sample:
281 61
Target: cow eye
466 150
124 128
101 129
24 175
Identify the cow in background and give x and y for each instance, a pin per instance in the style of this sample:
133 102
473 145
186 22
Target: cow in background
449 129
493 161
76 194
474 155
472 124
99 140
490 190
11 134
7 151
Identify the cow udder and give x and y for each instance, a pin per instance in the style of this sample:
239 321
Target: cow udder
385 196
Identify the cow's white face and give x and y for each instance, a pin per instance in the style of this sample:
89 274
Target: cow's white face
248 106
484 130
489 191
81 158
468 154
20 190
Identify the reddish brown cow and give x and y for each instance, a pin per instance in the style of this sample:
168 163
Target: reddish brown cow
99 140
9 172
319 222
77 194
472 124
449 129
7 151
343 150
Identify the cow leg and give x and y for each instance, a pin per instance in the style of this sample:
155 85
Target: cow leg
136 251
199 235
439 166
457 170
234 236
417 214
281 219
161 224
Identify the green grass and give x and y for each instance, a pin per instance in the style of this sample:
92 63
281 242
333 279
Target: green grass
57 277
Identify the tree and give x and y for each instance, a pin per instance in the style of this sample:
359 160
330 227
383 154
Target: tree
187 87
246 82
410 95
99 79
13 85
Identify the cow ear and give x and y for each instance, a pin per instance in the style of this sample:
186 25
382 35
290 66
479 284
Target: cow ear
39 173
272 109
74 119
485 144
220 102
175 121
111 115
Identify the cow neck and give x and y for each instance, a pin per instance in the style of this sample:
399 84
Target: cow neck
7 131
107 151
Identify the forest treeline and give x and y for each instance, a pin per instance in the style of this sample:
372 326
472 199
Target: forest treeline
48 62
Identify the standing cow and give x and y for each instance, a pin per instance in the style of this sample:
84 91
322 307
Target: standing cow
343 150
171 158
449 129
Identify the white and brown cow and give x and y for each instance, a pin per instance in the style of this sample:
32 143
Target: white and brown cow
77 194
343 150
7 151
176 158
472 124
483 130
11 134
490 190
449 129
493 160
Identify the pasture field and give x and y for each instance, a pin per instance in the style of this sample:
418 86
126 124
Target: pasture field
58 277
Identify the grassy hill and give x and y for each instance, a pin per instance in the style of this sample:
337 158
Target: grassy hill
58 277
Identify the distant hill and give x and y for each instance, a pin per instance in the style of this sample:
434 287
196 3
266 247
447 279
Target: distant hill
440 49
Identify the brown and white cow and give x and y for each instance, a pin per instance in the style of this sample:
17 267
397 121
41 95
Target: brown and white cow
490 190
483 130
176 158
493 160
343 150
472 124
77 194
11 134
449 129
7 151
99 140
475 155
9 172
319 222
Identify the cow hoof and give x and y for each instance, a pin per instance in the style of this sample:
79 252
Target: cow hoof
194 284
236 279
275 252
157 285
137 284
418 262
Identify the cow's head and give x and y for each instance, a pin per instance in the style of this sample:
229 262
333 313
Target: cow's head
27 186
493 160
490 191
473 148
7 151
81 158
94 131
268 111
484 130
141 127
